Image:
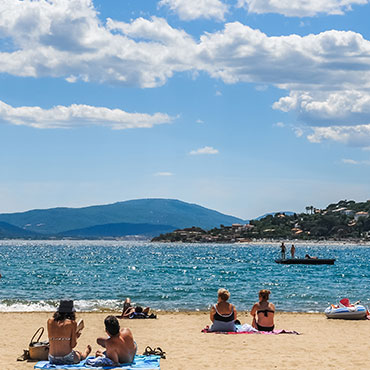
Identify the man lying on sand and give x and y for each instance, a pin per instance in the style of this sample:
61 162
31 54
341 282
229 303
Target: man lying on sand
120 346
135 312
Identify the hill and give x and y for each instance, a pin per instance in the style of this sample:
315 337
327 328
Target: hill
11 231
172 212
339 221
118 230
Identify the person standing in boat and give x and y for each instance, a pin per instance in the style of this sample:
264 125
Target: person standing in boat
283 250
292 251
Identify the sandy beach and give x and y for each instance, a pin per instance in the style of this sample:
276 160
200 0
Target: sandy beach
324 344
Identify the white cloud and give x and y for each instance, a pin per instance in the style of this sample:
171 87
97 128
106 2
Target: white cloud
204 150
358 135
349 161
326 107
166 174
354 162
279 124
77 115
194 9
300 8
199 121
67 39
327 75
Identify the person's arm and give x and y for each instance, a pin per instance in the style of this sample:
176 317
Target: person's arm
101 341
235 313
74 334
253 314
212 314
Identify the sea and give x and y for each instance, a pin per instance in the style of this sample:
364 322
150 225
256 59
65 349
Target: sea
99 275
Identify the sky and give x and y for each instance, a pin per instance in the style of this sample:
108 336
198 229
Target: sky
242 106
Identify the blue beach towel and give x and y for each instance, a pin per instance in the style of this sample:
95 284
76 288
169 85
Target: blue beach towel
140 362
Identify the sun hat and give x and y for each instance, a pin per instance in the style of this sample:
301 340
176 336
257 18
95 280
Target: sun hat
66 306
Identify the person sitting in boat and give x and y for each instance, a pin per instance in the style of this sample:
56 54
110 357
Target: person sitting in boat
223 314
309 257
263 312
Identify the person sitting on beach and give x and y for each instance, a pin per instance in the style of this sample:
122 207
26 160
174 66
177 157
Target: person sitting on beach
63 332
264 310
120 346
131 312
223 314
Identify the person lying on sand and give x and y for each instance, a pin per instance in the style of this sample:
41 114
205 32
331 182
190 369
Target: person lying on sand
63 332
265 311
120 346
132 312
223 314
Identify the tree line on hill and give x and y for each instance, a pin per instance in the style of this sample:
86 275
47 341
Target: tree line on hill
338 221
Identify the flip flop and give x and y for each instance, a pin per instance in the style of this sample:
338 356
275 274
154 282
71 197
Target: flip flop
159 352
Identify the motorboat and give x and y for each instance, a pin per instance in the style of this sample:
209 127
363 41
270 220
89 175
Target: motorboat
306 261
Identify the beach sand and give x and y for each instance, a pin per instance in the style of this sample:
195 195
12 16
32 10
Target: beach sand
324 344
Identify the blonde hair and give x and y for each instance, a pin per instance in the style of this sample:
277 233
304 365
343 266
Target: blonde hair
224 294
264 294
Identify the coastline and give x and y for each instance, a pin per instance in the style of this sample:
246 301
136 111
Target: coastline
179 335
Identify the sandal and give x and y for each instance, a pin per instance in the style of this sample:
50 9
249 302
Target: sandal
156 351
25 356
159 352
148 351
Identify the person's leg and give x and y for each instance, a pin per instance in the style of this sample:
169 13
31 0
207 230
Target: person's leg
126 310
146 310
78 356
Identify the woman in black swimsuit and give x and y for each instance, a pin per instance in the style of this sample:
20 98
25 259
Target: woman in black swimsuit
264 310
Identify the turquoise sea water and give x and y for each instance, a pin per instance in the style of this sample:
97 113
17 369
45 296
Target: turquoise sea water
98 275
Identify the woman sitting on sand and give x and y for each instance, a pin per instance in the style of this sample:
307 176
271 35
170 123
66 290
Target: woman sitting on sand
265 312
223 314
63 332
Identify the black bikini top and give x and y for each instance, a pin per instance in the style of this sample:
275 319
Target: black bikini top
224 318
265 312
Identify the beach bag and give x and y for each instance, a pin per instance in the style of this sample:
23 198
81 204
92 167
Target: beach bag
38 350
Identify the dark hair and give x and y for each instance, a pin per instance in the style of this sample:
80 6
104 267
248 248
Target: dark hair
61 316
264 294
138 309
111 325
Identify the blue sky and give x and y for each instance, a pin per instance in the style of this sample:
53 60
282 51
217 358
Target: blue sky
243 106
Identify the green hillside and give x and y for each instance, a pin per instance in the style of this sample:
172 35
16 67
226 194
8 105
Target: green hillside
345 220
149 211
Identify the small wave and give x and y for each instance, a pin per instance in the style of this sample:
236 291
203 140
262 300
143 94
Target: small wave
9 305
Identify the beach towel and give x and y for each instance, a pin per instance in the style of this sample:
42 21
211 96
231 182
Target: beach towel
140 362
248 329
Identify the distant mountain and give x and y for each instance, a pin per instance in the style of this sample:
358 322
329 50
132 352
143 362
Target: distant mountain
172 212
11 231
287 213
118 230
